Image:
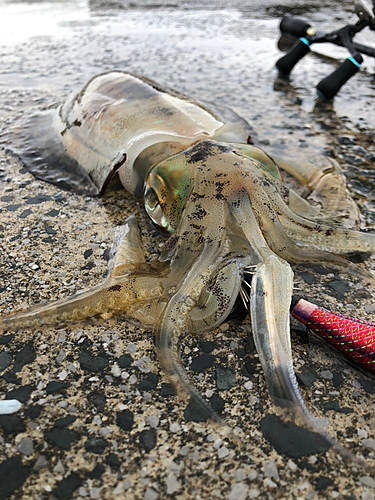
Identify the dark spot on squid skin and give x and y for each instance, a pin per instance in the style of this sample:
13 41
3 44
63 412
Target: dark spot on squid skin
199 214
205 149
77 123
236 203
197 196
329 232
114 288
170 243
164 112
284 192
219 191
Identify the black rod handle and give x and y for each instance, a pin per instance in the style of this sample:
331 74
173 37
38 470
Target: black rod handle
286 63
331 84
295 27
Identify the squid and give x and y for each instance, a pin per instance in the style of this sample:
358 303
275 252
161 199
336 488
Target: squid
223 202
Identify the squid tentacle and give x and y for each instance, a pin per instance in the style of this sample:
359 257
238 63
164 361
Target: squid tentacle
271 289
333 237
326 186
175 321
271 292
279 241
219 302
130 282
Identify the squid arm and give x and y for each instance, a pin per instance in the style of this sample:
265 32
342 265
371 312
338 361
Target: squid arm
179 316
270 298
130 284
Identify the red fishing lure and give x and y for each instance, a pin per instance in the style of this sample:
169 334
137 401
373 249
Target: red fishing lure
353 337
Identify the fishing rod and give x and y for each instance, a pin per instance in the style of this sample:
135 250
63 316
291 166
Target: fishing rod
304 36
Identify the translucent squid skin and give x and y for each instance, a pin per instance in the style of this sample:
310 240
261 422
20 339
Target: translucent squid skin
226 208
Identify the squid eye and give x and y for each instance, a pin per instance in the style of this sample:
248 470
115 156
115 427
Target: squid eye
154 209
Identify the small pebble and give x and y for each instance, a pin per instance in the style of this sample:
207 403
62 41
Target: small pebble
269 483
369 443
175 428
148 439
238 492
223 452
252 475
61 356
119 490
368 481
172 484
131 348
304 486
104 431
253 493
151 495
82 491
94 493
327 374
292 466
152 421
271 470
116 371
239 475
62 375
367 495
40 463
362 434
59 468
249 385
217 443
26 446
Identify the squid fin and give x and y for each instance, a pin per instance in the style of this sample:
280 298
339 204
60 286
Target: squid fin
37 142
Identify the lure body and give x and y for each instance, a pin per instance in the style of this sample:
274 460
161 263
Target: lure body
353 337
